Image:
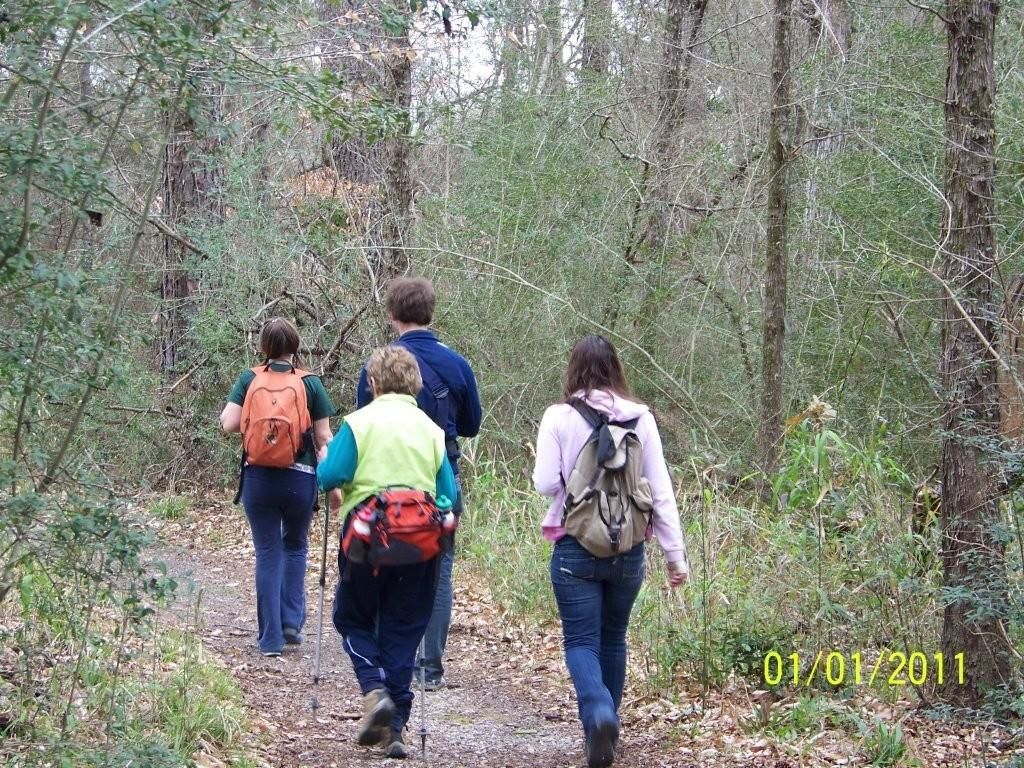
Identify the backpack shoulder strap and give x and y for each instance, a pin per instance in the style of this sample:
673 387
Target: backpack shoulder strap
435 385
431 378
593 417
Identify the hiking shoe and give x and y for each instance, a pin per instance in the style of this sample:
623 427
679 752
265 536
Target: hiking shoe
271 654
435 685
379 709
396 748
600 744
292 636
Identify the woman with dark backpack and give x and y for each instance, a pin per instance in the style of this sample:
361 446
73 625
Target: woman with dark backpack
600 514
283 413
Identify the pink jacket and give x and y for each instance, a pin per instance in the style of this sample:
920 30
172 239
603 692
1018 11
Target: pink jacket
563 432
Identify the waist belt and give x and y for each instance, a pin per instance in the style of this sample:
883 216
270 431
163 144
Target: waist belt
306 468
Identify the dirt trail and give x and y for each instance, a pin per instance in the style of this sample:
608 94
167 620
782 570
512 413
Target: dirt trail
504 708
511 702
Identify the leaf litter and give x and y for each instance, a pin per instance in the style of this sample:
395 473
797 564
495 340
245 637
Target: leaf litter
510 700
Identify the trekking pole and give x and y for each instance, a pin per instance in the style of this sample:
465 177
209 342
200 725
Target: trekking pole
314 703
423 700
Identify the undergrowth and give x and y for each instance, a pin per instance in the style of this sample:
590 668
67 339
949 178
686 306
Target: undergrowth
828 563
96 670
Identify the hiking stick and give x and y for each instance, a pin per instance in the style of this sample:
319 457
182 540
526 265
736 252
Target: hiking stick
314 703
423 699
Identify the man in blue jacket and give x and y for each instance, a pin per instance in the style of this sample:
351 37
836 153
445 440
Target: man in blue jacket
449 396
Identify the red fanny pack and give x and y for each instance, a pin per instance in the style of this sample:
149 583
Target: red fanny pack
398 526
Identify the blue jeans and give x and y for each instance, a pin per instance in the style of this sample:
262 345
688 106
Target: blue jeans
436 637
381 617
595 597
279 506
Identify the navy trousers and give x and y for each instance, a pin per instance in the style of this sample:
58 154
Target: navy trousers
436 637
279 506
381 618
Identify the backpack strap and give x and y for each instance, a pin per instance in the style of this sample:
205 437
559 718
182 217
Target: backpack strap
591 415
435 384
599 423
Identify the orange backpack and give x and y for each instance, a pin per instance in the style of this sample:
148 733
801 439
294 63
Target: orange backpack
397 526
275 417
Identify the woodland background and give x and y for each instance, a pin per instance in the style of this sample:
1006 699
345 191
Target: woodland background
800 222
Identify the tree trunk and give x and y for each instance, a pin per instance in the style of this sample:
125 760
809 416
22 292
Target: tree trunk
673 97
829 30
354 159
774 306
555 82
973 555
380 171
508 65
596 48
190 194
1011 349
398 169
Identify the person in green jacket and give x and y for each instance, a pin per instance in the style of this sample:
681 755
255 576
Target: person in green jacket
382 613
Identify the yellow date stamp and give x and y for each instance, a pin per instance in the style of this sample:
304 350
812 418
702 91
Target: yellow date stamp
839 669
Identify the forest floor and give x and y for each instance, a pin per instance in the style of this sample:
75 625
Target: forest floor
510 702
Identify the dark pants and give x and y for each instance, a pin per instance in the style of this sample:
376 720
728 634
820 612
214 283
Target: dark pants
436 637
279 506
381 619
595 597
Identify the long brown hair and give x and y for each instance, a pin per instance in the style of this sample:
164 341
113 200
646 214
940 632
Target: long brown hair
594 364
278 339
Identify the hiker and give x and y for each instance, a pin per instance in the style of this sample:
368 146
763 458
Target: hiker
597 564
449 396
381 610
277 485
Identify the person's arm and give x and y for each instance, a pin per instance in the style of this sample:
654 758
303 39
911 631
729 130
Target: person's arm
445 483
469 415
363 393
547 469
322 432
337 465
666 513
231 418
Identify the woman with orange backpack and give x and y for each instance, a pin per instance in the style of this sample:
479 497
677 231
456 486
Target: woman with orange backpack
283 413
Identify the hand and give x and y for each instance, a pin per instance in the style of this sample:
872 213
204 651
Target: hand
676 575
321 455
334 500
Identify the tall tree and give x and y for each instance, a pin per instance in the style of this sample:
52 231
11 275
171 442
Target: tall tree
555 81
829 35
190 195
683 22
375 61
596 47
774 305
973 555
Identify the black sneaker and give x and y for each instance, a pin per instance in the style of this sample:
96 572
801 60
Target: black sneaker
292 636
600 744
396 748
